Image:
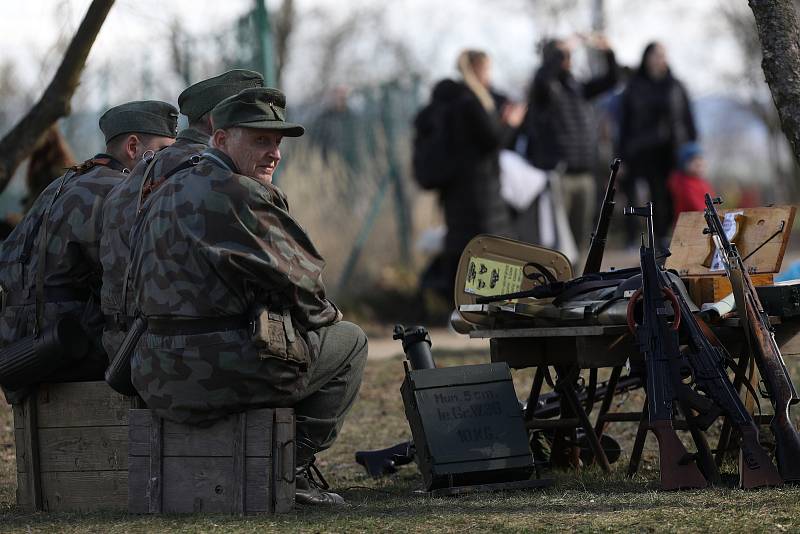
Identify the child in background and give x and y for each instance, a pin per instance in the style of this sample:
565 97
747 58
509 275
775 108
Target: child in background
686 185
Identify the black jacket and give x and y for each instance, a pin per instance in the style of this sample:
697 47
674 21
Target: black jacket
655 118
472 202
560 123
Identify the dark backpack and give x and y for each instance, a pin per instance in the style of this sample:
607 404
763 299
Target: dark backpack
434 166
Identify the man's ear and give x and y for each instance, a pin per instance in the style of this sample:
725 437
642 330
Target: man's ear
218 138
132 146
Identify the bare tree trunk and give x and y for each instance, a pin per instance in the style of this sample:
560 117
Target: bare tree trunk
779 33
55 102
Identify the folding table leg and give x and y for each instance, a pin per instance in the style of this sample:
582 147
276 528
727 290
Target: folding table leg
613 380
568 393
638 443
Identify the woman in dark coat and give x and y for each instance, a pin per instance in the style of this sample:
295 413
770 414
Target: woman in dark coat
481 123
655 121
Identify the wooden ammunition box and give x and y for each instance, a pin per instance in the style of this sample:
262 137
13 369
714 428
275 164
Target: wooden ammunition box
72 448
467 426
243 464
704 289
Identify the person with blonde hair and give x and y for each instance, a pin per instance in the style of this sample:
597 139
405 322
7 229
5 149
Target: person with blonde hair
478 123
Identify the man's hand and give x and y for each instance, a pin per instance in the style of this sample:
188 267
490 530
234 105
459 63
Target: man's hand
598 41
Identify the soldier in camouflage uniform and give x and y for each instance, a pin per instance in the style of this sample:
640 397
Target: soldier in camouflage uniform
231 286
65 221
123 202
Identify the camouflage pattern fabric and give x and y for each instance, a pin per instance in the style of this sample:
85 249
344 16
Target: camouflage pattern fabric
119 214
213 243
73 259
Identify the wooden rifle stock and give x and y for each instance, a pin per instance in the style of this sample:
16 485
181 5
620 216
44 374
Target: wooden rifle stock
766 353
677 466
781 394
597 245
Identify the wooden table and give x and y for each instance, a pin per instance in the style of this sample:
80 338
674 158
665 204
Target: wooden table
570 349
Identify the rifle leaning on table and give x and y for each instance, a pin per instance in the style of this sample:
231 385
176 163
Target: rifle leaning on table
707 362
597 244
658 343
761 339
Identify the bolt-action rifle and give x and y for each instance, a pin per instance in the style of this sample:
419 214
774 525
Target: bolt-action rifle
594 259
658 343
597 245
777 381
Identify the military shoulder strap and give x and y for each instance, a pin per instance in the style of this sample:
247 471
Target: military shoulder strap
44 238
43 241
191 162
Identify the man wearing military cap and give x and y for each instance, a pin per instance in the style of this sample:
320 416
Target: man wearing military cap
52 256
231 286
123 202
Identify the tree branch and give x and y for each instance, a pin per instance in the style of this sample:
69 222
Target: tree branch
779 33
55 102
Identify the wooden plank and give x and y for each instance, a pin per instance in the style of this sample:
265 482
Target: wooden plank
77 491
85 491
283 475
83 449
554 331
238 472
690 247
155 482
32 466
19 445
187 440
81 404
19 416
198 484
23 492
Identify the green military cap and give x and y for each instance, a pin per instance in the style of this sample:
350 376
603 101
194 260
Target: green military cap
262 107
200 98
143 116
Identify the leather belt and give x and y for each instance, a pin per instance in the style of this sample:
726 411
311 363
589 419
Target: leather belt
174 326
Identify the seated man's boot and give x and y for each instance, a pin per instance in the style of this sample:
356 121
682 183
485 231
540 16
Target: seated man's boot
312 489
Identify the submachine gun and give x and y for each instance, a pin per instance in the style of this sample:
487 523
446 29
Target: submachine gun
777 381
658 343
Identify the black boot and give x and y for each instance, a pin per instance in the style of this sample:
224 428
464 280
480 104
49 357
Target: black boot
312 488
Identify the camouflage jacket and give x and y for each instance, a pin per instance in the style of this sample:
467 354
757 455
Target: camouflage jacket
213 243
121 208
72 261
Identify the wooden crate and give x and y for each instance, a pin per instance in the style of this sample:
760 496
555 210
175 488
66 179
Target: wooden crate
243 464
76 456
764 233
704 289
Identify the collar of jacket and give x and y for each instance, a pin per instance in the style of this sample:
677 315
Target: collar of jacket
220 159
194 135
113 163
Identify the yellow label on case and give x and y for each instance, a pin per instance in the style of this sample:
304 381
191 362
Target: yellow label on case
490 277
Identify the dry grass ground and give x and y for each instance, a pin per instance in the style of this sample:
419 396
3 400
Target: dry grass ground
585 502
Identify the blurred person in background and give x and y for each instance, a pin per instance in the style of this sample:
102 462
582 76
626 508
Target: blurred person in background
479 123
687 184
655 121
49 159
562 130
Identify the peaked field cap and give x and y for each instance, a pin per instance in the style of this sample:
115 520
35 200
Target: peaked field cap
200 98
263 108
141 116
